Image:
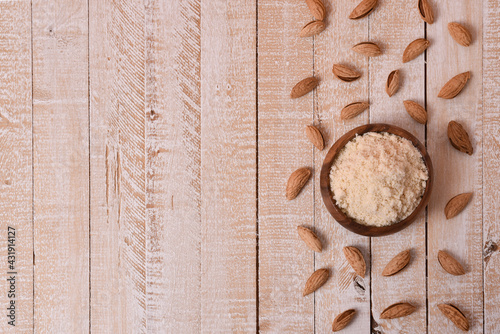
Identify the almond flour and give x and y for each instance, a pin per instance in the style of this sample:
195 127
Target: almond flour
378 179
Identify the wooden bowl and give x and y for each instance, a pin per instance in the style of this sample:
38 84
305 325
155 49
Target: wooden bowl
341 217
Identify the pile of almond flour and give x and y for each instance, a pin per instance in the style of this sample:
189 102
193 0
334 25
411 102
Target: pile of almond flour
378 179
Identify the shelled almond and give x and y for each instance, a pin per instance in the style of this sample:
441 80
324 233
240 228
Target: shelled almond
414 49
392 84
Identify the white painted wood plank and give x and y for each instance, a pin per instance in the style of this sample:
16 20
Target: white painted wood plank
455 172
228 166
117 164
393 27
173 166
285 262
16 168
491 159
345 290
61 166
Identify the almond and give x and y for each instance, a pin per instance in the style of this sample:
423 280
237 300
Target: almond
450 264
397 310
364 8
310 238
414 49
317 279
368 49
459 138
352 110
456 205
355 259
392 84
303 87
397 263
345 73
315 137
453 87
455 315
296 182
342 320
416 111
425 11
317 9
459 33
312 28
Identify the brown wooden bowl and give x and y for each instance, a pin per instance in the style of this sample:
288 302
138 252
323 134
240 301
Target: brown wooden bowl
341 217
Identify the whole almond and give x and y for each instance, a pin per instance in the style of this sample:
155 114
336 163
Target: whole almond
352 110
459 138
392 84
364 8
310 238
459 33
455 315
368 49
397 310
425 11
342 320
312 28
303 87
397 263
317 279
345 73
355 259
456 205
414 49
450 264
296 182
416 111
315 137
317 9
453 87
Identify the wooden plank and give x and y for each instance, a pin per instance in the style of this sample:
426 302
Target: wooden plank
285 262
491 172
454 171
345 290
393 27
117 162
173 164
16 246
228 167
61 166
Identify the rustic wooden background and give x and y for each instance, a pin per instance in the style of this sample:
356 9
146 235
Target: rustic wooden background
145 147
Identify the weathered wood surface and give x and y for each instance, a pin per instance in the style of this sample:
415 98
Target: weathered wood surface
455 172
117 72
146 148
284 262
394 26
491 162
346 290
60 166
16 192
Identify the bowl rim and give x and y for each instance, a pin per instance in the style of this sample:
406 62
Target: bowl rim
341 217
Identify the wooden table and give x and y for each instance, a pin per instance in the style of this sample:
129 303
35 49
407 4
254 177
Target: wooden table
145 147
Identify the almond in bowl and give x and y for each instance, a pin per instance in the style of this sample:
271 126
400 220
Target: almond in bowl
376 179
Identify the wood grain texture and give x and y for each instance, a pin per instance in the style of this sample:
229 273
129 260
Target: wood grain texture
394 26
61 168
117 162
285 262
16 163
346 290
228 167
173 166
491 159
455 171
